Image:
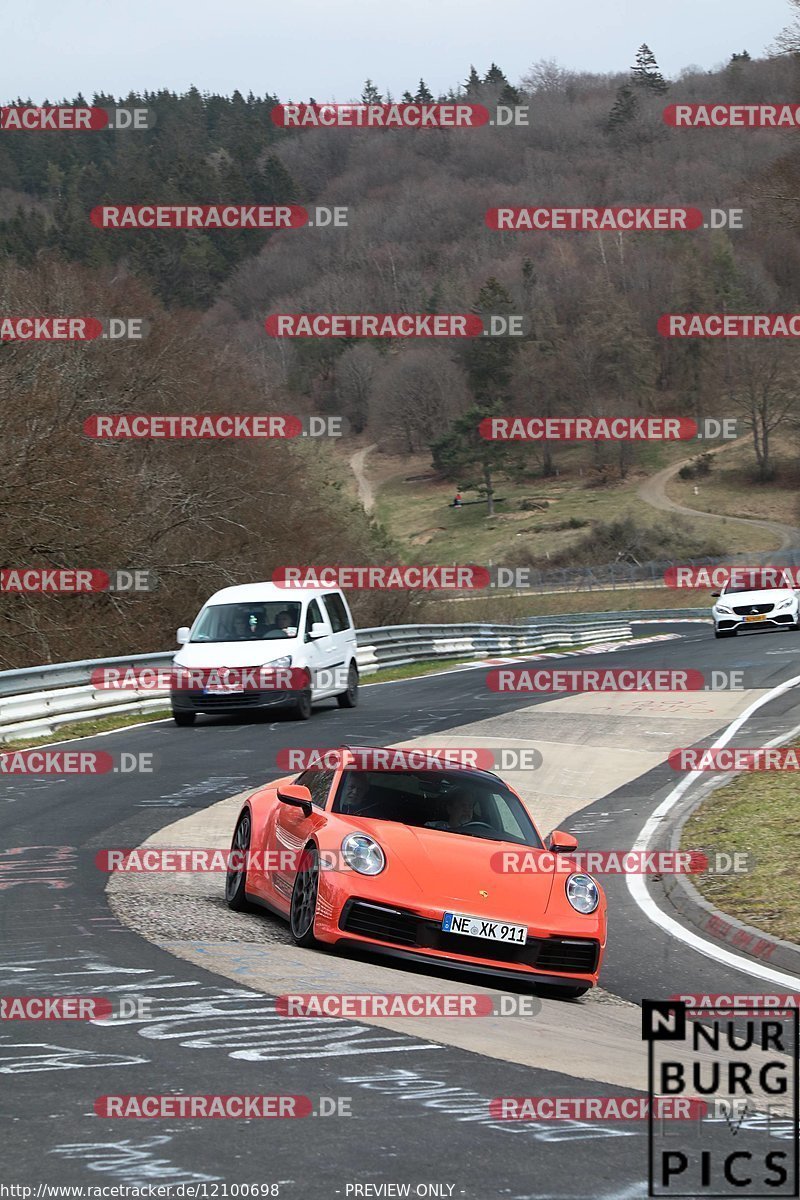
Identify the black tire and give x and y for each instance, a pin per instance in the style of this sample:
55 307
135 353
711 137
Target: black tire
303 907
301 709
573 993
724 633
236 878
349 699
183 718
566 993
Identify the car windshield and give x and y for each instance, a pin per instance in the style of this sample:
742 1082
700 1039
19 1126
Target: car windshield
456 803
777 586
264 620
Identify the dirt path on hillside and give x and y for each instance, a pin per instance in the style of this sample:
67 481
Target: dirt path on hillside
654 492
366 491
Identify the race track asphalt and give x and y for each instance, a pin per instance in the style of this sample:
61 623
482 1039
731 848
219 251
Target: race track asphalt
420 1114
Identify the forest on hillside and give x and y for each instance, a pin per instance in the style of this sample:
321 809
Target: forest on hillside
201 516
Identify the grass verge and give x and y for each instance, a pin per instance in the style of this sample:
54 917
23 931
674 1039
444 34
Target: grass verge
413 506
754 812
412 670
498 607
732 490
80 729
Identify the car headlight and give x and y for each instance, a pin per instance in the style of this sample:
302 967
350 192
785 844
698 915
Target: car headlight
363 854
786 603
285 661
721 608
583 893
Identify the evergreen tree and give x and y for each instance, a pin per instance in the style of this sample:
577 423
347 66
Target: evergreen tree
473 85
370 94
624 110
510 95
424 94
495 77
733 68
489 360
462 454
470 460
645 72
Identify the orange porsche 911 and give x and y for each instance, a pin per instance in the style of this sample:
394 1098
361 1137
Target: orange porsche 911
411 863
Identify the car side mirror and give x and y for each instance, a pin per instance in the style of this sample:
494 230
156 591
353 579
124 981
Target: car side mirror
183 635
562 843
716 594
298 796
317 630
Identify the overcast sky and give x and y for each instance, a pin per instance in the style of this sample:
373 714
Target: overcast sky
53 49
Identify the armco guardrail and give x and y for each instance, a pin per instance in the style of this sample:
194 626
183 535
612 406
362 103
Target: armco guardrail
36 701
608 577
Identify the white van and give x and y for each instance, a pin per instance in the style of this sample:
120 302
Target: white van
257 625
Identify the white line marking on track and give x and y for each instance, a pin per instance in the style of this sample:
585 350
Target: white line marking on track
636 884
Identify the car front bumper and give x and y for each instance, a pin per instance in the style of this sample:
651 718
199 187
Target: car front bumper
228 703
779 620
547 957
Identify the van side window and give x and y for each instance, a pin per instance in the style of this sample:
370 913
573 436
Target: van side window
337 612
318 783
312 616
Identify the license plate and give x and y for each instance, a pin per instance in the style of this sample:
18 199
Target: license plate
495 931
223 689
760 617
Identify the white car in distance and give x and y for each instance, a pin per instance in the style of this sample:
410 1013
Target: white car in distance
775 606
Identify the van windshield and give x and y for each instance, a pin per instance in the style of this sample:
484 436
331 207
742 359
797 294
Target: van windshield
264 620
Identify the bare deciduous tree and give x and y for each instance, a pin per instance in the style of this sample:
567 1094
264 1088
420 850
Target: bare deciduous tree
416 395
788 40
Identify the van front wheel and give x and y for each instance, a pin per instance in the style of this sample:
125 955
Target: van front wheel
301 709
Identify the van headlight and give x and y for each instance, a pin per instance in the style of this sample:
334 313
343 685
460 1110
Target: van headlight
786 603
583 893
286 661
721 608
363 854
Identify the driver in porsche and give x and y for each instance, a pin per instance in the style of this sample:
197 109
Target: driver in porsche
355 799
460 807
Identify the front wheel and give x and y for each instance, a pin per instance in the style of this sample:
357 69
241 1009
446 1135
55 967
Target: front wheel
349 699
301 709
183 718
236 877
303 908
724 633
572 993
